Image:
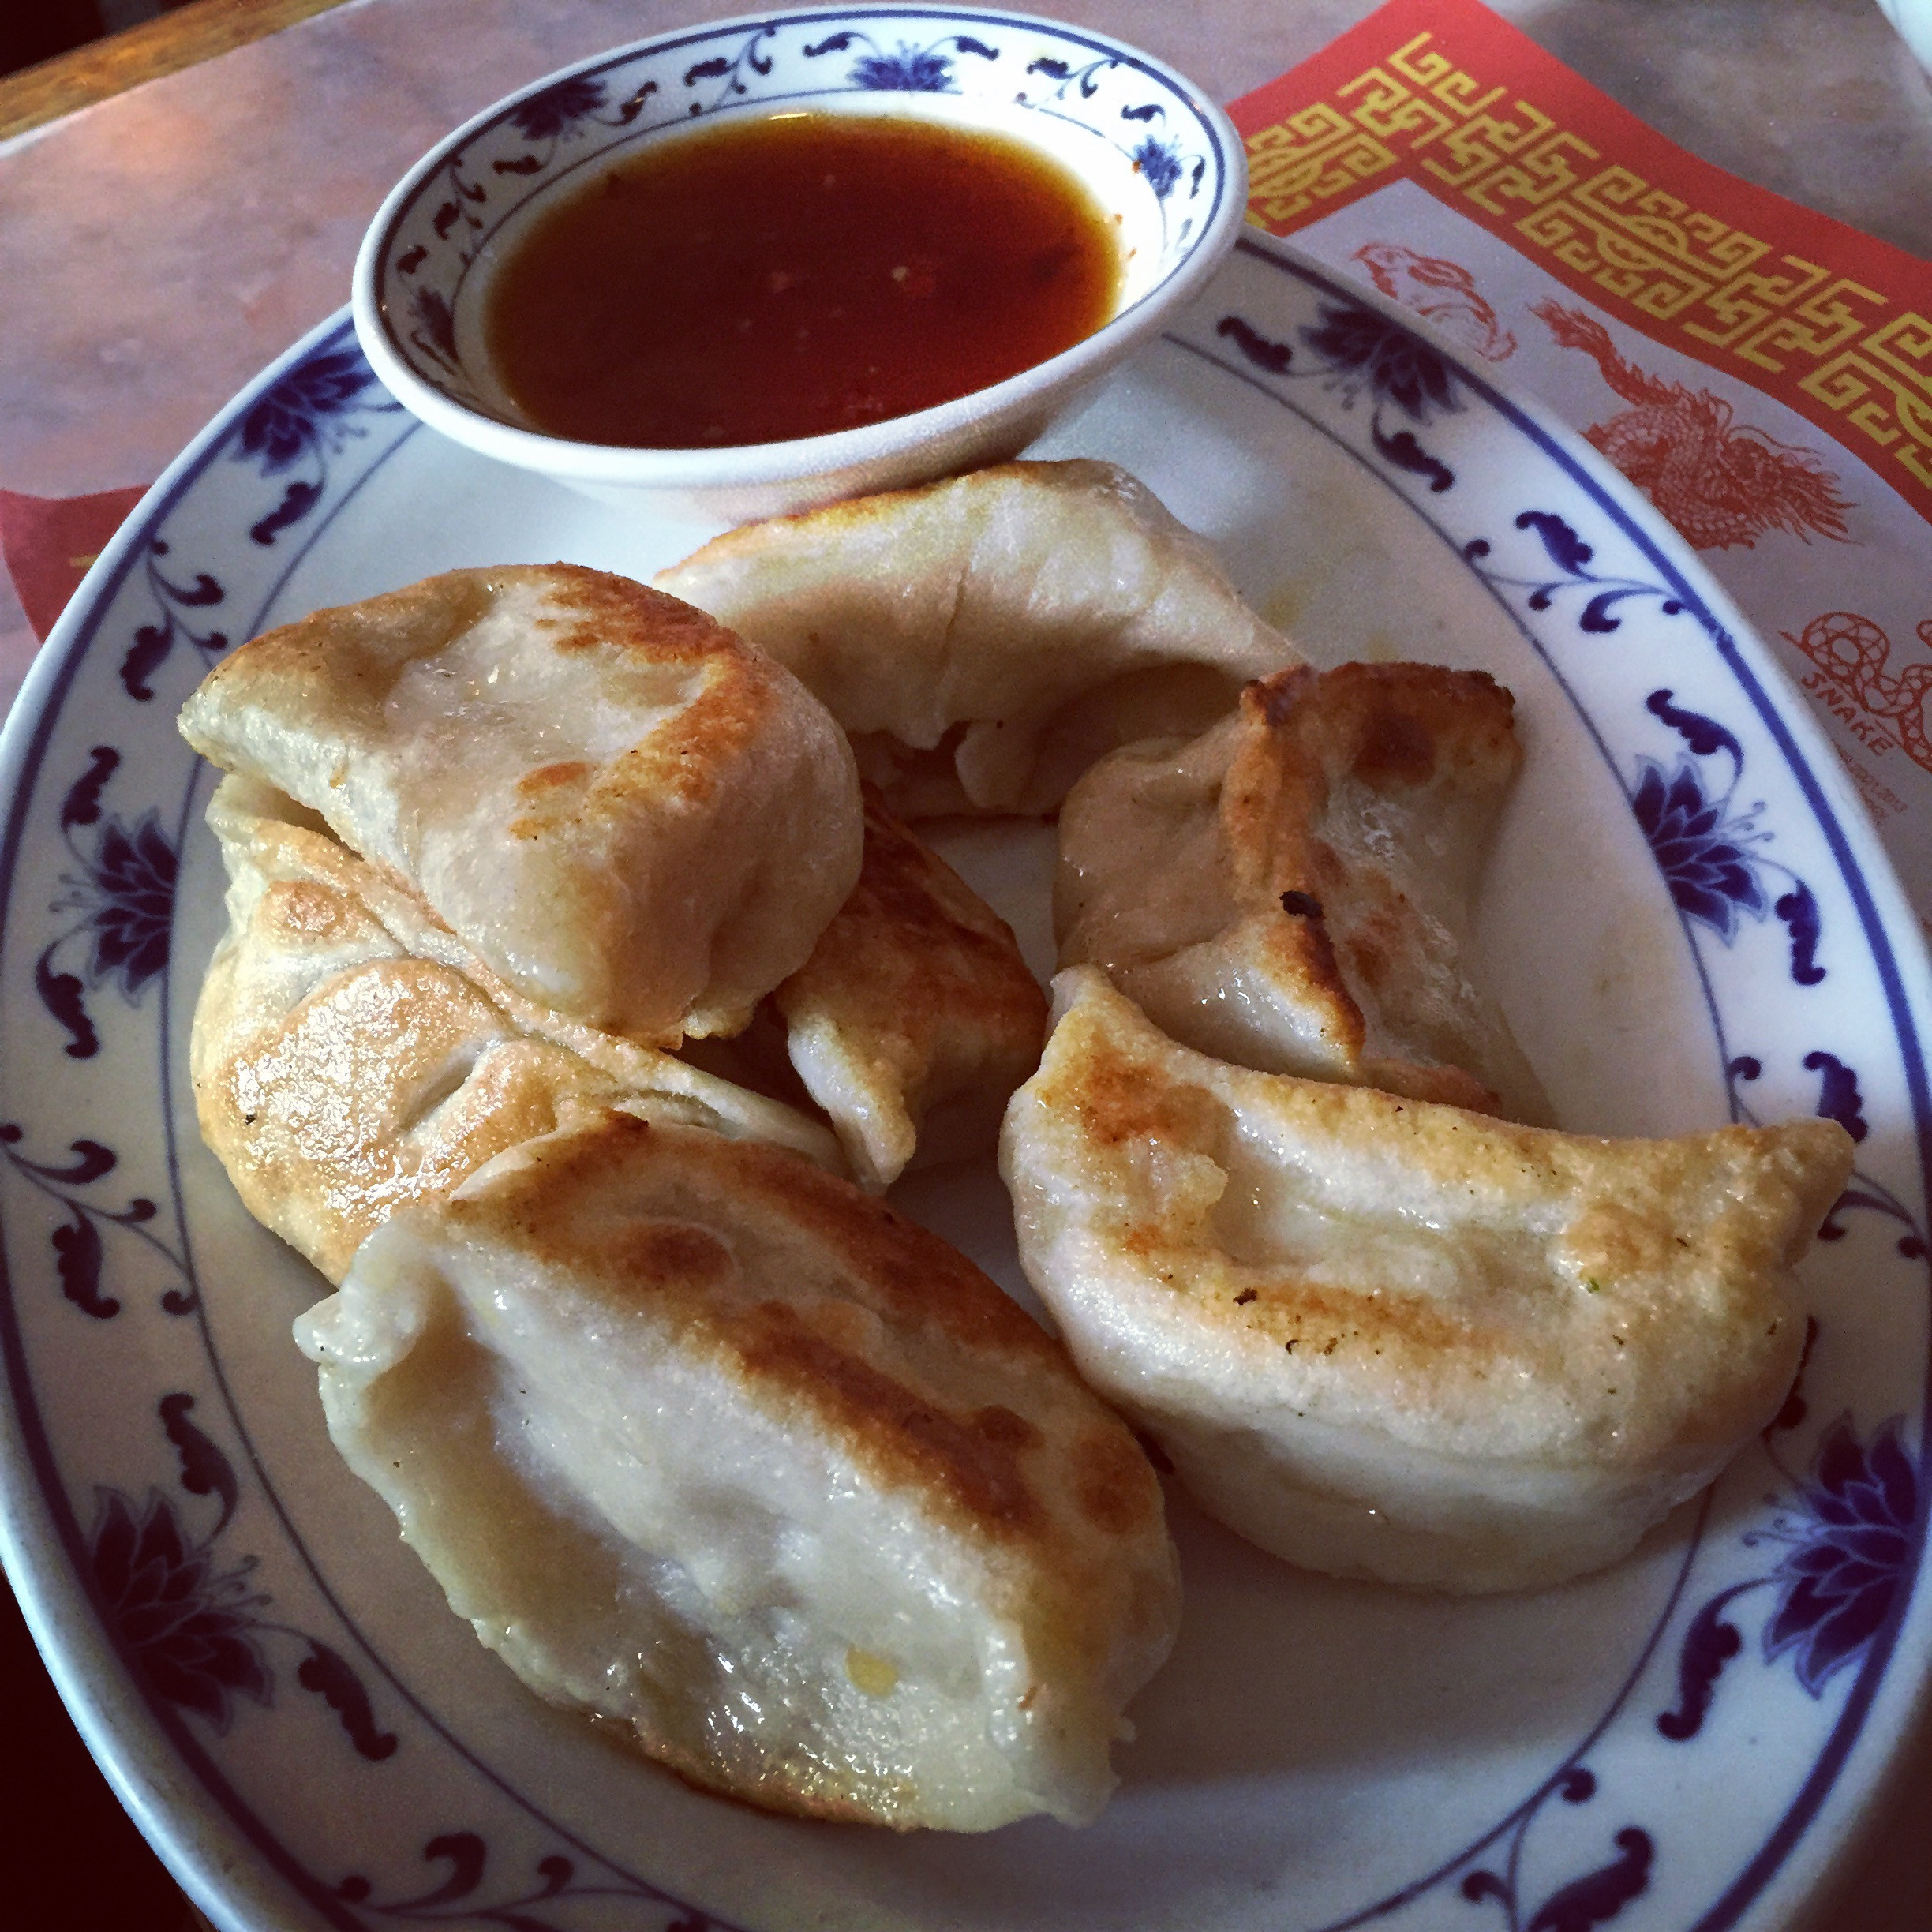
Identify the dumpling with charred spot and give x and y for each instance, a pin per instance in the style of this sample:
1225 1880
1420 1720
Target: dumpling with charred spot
916 1016
350 1056
631 816
1384 1337
715 1446
1012 623
1291 890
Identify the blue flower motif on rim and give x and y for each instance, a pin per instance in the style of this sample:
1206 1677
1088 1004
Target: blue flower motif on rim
125 894
189 1629
912 70
128 897
546 119
1838 1581
1368 350
308 417
1701 856
1699 847
1360 349
544 116
307 405
1160 164
908 69
1848 1554
185 1623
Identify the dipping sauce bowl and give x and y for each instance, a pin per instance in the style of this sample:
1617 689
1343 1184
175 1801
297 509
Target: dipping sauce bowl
1156 169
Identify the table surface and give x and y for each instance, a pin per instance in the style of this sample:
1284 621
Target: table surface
158 248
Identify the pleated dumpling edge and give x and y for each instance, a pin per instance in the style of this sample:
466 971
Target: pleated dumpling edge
1387 1338
718 1448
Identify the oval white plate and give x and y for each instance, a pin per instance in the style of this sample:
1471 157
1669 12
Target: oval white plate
1687 916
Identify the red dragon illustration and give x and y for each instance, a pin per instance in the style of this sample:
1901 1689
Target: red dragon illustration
1721 482
1851 650
1442 291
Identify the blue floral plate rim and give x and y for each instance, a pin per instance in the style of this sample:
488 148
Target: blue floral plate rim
1775 1882
58 1604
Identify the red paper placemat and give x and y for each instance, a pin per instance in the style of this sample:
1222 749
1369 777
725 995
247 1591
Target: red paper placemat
1762 373
50 541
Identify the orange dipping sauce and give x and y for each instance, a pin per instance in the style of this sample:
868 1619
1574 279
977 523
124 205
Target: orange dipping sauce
791 276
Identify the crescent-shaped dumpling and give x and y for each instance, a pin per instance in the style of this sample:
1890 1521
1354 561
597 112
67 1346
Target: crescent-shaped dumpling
1384 1337
712 1444
1291 890
968 615
916 1016
345 1063
635 818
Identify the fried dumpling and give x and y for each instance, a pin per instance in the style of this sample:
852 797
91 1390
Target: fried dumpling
344 1063
1384 1337
1291 890
964 618
916 1018
633 818
710 1443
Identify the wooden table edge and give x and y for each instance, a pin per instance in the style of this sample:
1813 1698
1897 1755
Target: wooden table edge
101 69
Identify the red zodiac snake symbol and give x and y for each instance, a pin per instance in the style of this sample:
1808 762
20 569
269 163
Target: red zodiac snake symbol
1852 651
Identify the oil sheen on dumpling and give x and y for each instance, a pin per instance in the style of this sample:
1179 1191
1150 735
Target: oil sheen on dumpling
965 617
1384 1337
348 1056
713 1445
632 816
1291 890
916 1018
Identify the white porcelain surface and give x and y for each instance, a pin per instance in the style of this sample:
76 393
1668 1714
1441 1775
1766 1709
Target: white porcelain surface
1913 19
1160 161
1688 920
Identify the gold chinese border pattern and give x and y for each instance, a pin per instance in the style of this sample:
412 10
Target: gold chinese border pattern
1839 350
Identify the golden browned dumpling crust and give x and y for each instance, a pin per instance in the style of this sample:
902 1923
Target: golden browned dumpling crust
715 1446
1013 623
916 1018
632 816
1291 891
348 1056
1385 1338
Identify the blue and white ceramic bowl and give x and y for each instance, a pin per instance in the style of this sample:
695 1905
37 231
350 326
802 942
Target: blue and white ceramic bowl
1158 157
